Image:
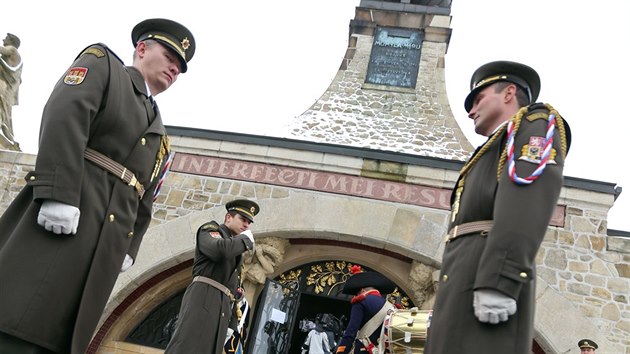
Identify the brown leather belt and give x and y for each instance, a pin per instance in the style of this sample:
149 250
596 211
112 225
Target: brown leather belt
483 226
114 168
222 288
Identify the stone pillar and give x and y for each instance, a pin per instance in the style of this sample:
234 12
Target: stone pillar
390 91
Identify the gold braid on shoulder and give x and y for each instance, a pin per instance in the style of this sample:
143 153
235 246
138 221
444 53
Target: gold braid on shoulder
517 123
464 171
482 151
165 148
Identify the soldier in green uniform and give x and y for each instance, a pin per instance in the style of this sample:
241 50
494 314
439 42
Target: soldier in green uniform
80 219
501 205
206 310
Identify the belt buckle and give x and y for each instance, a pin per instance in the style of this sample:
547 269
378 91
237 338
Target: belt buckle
137 185
133 180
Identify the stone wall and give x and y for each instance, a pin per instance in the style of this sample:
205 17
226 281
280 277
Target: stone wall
415 120
13 168
588 269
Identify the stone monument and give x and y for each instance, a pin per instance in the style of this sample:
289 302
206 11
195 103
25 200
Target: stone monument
10 80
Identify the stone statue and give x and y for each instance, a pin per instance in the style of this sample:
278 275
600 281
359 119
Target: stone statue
423 284
268 254
10 80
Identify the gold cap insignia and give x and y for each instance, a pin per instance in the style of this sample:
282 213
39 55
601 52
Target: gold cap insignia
185 43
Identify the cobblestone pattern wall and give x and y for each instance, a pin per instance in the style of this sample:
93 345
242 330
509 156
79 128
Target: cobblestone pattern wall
13 169
419 122
183 194
580 263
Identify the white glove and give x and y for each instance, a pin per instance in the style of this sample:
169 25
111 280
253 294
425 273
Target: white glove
228 335
492 306
127 263
249 235
58 217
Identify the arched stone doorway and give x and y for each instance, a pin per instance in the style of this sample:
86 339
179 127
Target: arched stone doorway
148 322
141 322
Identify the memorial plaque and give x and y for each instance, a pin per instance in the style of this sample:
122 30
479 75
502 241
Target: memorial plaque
395 57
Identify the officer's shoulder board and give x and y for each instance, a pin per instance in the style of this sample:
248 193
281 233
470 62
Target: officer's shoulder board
93 50
536 111
76 75
209 226
212 228
99 50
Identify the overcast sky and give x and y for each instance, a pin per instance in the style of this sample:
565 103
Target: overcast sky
259 64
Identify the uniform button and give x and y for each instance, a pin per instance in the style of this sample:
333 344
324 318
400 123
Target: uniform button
32 178
112 218
222 314
523 275
143 141
444 277
130 234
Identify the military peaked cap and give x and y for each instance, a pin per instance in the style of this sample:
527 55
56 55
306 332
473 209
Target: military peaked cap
520 74
245 207
170 33
587 343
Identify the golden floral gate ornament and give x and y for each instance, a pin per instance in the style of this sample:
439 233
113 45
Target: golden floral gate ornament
329 277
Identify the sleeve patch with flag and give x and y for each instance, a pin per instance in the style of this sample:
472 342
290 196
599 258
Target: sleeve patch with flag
75 75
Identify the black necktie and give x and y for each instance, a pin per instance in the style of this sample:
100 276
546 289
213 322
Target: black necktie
155 106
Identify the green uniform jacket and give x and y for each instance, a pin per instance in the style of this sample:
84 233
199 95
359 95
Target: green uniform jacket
504 260
205 311
54 287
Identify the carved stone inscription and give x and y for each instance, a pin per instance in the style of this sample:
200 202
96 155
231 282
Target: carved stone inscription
313 180
337 183
395 57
